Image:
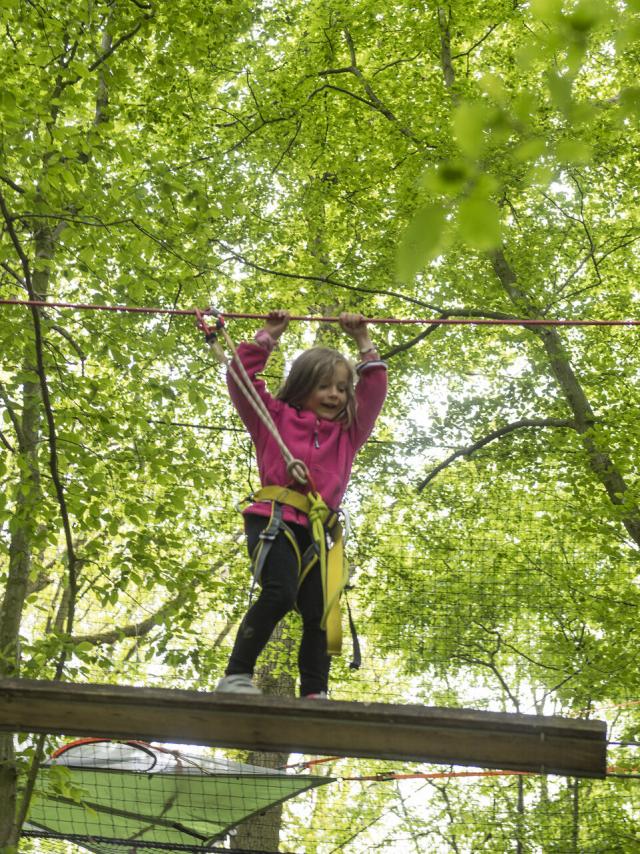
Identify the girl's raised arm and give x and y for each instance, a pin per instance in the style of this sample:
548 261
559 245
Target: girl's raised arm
355 325
371 389
254 359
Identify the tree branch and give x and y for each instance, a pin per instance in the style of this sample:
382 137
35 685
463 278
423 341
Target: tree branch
12 272
125 38
445 49
600 460
12 414
587 231
320 279
493 667
102 95
11 184
407 345
6 443
68 337
288 147
254 98
396 62
72 560
344 92
375 101
372 101
500 433
132 630
476 44
454 312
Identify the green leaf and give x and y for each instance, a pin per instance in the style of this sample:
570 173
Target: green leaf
531 149
8 102
546 9
524 107
449 177
494 86
587 14
630 101
135 289
540 175
560 90
479 222
470 122
421 241
574 151
83 646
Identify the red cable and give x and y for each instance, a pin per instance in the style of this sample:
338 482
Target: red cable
438 321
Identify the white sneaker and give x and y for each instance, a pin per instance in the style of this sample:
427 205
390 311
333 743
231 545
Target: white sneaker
321 695
237 683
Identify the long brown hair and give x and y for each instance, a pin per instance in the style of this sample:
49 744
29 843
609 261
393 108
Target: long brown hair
309 370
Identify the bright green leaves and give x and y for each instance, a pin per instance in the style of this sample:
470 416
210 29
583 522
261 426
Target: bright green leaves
470 124
479 220
572 22
61 784
559 87
581 16
573 151
469 212
480 126
472 217
546 9
449 178
135 290
507 136
630 102
529 150
421 241
8 102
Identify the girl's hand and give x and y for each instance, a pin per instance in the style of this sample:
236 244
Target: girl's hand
355 325
277 322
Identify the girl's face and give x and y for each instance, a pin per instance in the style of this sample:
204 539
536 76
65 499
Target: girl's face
329 397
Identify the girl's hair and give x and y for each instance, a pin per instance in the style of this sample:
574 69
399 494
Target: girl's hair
309 370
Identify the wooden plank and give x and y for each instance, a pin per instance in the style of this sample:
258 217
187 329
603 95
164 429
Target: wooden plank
547 745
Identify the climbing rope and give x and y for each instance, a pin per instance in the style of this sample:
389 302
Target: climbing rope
295 468
445 320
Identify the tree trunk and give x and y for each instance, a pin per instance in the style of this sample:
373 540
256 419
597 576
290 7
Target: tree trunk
24 525
520 817
574 788
262 831
23 528
600 460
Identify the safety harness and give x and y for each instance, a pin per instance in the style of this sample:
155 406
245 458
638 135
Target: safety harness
326 549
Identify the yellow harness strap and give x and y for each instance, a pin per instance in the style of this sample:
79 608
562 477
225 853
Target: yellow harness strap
333 571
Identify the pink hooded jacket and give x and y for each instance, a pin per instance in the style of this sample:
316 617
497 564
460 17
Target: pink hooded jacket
326 447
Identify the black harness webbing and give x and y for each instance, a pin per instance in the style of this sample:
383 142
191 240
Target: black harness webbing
332 530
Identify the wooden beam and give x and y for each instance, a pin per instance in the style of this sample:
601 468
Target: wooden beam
545 745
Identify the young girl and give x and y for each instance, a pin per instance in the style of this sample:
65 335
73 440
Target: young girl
324 419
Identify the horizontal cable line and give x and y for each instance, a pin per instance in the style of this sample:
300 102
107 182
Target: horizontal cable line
415 321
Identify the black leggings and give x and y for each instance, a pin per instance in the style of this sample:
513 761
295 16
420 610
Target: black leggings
279 594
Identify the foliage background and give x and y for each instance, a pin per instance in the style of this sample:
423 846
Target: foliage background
400 159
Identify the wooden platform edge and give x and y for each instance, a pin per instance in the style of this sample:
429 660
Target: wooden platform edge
538 744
